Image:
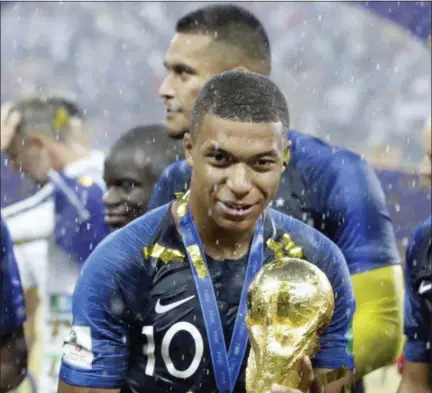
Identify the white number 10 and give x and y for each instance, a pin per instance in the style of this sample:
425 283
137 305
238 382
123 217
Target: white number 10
148 331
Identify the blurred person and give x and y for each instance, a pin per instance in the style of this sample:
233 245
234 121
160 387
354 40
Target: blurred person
13 348
51 230
417 368
132 167
332 189
139 325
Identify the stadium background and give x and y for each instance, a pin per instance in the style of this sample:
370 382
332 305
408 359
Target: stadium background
356 74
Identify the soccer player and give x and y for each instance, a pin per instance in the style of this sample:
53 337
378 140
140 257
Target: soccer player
417 369
50 229
140 322
332 189
132 167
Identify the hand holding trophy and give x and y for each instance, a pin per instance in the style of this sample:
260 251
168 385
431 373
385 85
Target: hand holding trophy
290 302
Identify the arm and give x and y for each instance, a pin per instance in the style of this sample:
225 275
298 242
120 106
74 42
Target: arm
80 224
13 359
96 353
357 216
415 378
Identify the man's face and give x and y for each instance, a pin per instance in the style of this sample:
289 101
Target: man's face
425 169
237 167
128 187
30 156
190 63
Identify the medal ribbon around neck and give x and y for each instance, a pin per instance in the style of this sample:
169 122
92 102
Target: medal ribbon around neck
226 366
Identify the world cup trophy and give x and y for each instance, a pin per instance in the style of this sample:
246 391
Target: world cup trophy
290 302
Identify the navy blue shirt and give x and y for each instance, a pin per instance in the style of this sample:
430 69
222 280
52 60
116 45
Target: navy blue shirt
12 307
137 321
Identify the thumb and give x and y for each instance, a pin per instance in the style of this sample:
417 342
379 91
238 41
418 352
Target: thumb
307 374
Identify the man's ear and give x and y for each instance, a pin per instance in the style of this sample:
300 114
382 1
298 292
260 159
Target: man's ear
188 147
286 155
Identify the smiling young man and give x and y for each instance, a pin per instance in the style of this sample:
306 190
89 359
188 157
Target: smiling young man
331 189
132 167
151 293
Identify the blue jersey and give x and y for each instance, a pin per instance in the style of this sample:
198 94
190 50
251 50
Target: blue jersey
137 321
331 189
417 322
12 308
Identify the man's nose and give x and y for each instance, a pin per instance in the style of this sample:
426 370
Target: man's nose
111 197
239 180
166 90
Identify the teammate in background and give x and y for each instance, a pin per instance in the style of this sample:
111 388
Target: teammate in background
13 348
331 189
138 323
417 369
50 229
132 167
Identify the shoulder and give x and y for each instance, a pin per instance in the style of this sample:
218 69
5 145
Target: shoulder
122 249
310 150
317 248
31 218
177 168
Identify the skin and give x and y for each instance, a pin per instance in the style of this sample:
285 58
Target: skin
415 376
129 186
240 163
191 60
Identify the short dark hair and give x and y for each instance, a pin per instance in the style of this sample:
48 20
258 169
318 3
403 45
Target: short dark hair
234 26
153 141
241 96
49 116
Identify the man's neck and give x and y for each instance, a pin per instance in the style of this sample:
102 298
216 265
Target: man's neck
218 242
69 156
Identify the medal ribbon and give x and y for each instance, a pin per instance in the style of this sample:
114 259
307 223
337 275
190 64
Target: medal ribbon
226 366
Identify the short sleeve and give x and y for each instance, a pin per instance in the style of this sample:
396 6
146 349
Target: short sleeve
96 352
358 220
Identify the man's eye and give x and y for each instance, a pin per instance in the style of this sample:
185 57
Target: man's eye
128 186
219 158
264 162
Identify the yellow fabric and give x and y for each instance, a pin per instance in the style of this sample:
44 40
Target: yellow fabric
378 321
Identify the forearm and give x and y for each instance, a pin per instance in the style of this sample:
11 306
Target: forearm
415 378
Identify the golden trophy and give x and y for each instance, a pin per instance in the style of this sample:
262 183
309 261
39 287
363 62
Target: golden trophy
290 302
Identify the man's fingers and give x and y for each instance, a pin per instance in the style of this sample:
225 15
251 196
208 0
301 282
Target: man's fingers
307 374
282 389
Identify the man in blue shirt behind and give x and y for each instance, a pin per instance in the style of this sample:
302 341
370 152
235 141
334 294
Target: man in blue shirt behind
140 316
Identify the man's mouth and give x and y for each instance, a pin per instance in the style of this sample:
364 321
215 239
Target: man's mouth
172 108
234 209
